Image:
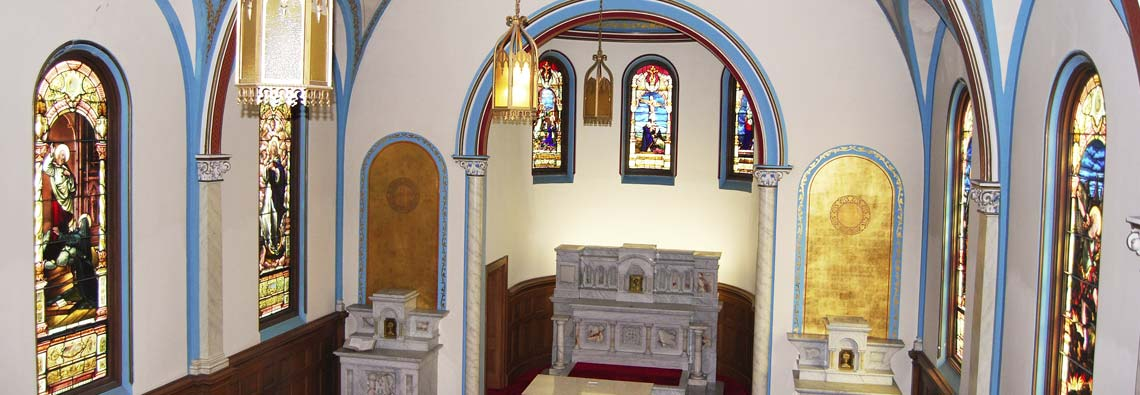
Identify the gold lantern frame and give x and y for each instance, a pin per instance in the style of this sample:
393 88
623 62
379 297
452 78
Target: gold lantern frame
285 50
598 95
515 67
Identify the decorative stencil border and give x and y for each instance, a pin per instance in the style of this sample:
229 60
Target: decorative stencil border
801 230
441 301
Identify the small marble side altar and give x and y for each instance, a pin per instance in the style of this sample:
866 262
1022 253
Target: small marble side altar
390 348
845 360
637 305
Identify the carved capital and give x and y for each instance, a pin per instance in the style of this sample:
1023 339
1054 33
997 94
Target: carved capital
986 197
474 166
212 168
1133 240
769 176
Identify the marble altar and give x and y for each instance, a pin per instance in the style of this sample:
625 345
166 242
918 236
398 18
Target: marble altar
391 348
845 360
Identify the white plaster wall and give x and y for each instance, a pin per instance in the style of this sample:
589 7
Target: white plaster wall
836 67
597 209
1056 29
139 37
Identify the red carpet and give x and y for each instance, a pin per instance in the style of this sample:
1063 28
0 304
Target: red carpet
516 387
669 377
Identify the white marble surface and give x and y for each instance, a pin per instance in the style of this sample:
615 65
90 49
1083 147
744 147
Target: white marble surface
561 385
981 286
211 355
476 276
767 182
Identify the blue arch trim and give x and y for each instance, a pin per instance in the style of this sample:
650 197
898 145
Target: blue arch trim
802 221
569 138
1053 148
723 39
927 107
631 176
126 174
441 167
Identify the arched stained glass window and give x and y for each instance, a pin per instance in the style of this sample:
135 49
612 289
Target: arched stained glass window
75 229
650 135
549 131
277 252
739 133
961 137
1080 203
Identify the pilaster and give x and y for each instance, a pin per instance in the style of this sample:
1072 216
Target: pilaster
981 286
767 179
474 309
212 357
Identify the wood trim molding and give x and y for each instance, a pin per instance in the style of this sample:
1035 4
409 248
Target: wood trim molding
530 332
735 326
926 380
300 361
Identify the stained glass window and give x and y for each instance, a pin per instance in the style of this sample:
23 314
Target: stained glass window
277 276
963 133
740 133
651 130
547 138
73 227
1081 215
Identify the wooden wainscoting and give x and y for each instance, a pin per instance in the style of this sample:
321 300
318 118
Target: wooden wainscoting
926 379
530 332
300 361
734 331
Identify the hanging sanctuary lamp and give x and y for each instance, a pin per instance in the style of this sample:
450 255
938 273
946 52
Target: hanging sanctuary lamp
598 97
515 67
284 53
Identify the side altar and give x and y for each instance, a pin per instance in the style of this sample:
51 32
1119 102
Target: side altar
391 347
640 306
845 360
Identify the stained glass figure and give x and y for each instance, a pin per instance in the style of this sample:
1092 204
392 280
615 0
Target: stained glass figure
549 124
275 201
71 227
651 130
742 134
960 214
1075 314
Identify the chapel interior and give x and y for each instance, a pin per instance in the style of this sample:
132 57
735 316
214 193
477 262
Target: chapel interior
594 197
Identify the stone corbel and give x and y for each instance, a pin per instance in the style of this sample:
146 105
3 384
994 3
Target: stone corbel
212 168
1133 240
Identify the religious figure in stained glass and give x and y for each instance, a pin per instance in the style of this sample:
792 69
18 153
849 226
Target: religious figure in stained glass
651 130
71 226
547 129
742 135
1075 311
960 214
274 214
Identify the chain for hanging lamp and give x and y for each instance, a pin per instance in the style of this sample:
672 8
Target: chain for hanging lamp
514 97
598 97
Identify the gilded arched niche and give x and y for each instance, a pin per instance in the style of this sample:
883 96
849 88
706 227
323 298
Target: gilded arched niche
850 226
402 220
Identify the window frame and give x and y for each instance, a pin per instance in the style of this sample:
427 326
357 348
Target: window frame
296 250
564 174
726 174
956 237
649 176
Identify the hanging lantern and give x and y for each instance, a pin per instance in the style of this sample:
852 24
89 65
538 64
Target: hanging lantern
284 52
515 68
599 93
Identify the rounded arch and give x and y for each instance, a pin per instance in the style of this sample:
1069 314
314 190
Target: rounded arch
1077 69
955 214
548 22
114 220
978 85
441 168
630 174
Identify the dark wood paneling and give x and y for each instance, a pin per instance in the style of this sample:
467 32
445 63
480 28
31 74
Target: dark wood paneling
530 333
300 361
926 380
497 321
734 329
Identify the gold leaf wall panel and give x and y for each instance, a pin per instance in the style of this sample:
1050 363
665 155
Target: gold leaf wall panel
403 222
849 244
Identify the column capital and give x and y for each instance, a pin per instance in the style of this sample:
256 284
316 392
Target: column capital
986 197
474 166
213 167
1133 240
769 176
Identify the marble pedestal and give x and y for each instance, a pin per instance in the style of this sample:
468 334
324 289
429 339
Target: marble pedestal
391 348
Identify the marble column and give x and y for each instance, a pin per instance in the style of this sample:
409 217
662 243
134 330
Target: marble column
767 179
474 308
697 376
981 287
560 342
211 356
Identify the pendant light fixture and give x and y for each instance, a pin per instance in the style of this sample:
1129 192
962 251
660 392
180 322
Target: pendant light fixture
599 93
515 68
284 52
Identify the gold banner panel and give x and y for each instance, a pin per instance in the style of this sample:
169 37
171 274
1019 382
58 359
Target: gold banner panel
849 242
